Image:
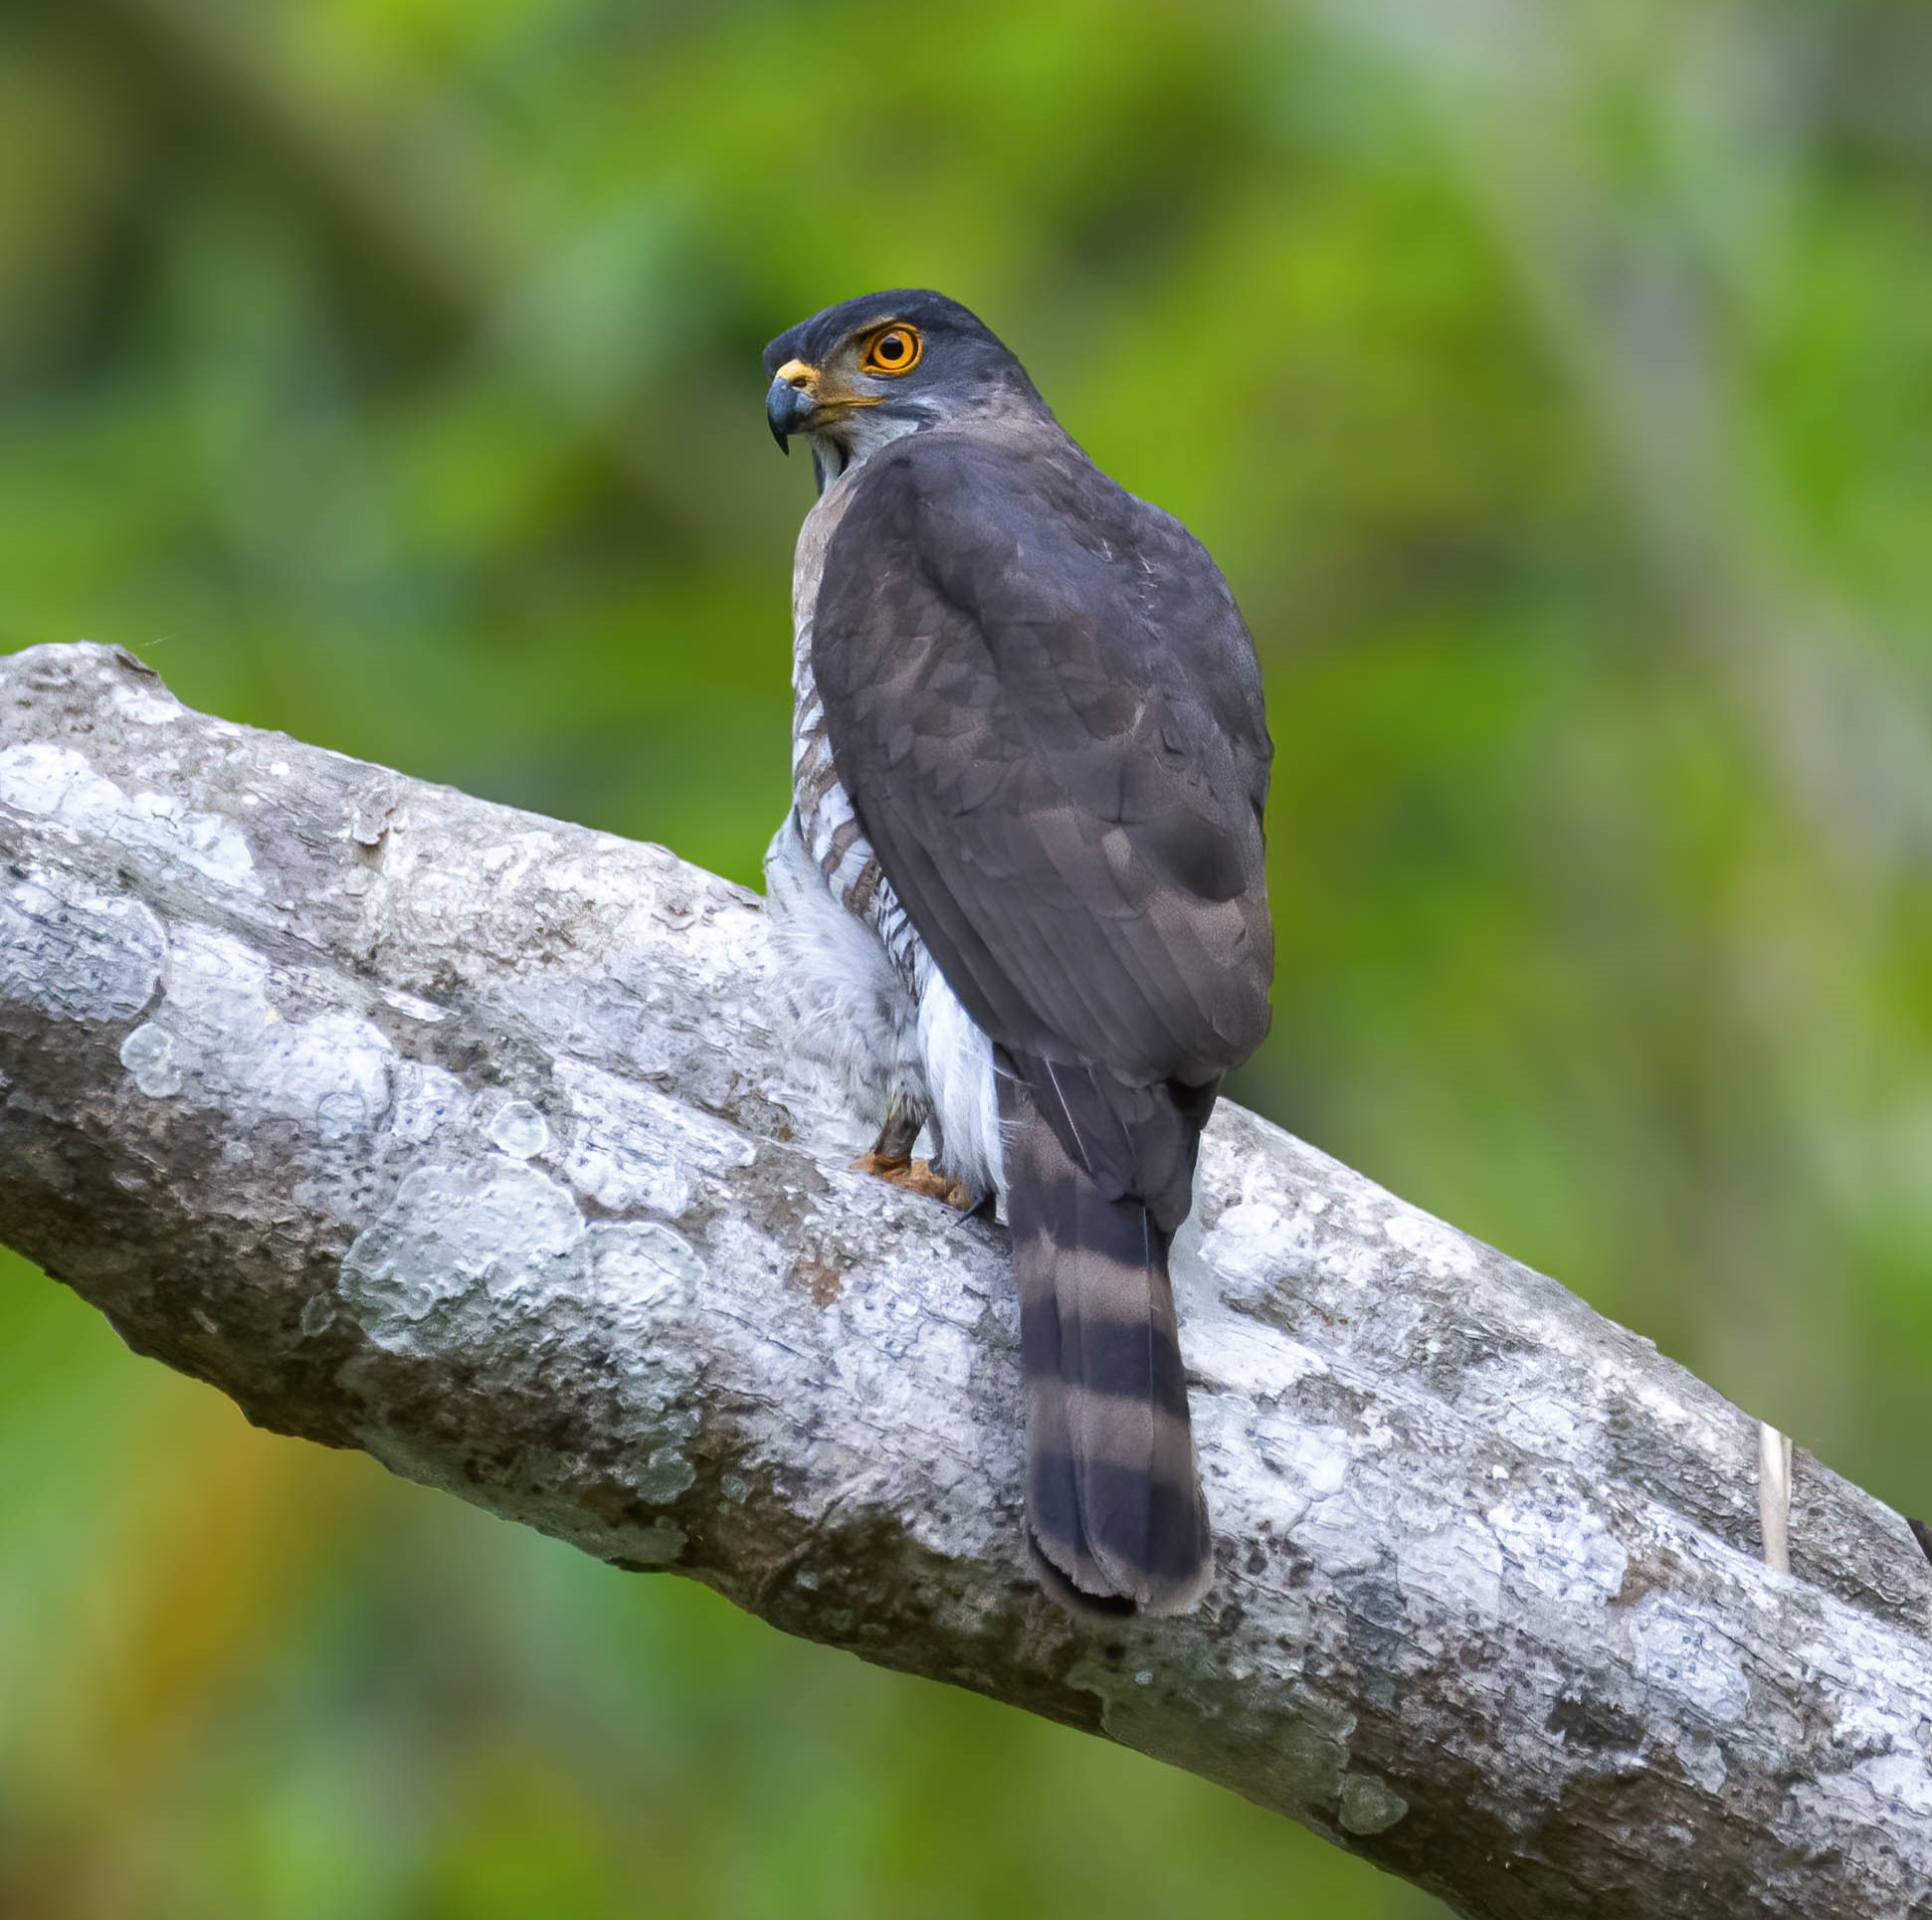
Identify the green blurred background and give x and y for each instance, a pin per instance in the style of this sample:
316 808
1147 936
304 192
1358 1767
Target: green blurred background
1554 383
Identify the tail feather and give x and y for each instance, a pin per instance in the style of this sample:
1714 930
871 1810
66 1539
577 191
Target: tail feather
1113 1502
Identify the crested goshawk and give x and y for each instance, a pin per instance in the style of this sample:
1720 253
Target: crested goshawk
1019 892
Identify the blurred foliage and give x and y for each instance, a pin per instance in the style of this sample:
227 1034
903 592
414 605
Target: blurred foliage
1553 383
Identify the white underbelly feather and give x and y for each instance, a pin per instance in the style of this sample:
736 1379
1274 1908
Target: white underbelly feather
961 1080
868 999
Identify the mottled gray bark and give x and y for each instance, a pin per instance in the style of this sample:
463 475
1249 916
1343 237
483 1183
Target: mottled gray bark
425 1126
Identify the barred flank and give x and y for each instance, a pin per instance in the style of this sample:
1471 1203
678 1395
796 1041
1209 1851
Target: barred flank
1113 1502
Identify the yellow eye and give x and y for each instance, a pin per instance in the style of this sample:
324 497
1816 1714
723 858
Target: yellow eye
892 349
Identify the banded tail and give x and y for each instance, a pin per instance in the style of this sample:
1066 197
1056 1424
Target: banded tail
1114 1512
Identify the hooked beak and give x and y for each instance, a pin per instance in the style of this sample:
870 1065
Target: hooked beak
791 400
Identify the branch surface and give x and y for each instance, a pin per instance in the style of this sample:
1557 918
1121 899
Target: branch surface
471 1139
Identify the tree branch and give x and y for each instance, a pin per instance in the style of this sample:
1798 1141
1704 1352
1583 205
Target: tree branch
475 1140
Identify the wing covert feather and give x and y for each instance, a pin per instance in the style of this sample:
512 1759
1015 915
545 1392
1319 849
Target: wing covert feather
1048 713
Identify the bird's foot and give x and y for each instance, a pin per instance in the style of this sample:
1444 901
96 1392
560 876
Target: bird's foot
918 1177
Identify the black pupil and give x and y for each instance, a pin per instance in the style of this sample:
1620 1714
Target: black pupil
892 347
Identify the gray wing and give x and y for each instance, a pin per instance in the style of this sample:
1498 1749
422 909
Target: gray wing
1048 712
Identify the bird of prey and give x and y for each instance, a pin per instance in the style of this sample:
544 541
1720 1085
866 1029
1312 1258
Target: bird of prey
1019 892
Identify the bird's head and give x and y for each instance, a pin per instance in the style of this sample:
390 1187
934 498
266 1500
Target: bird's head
864 372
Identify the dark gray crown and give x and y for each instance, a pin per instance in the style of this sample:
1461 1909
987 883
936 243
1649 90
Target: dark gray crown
963 356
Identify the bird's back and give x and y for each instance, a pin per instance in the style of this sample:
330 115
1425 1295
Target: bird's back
1046 711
